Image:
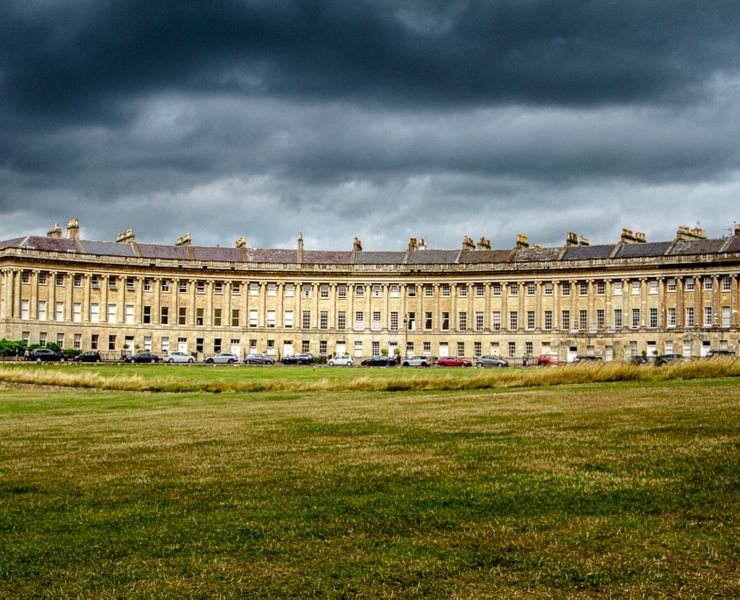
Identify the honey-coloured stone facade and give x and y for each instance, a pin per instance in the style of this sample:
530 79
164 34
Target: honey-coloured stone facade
615 301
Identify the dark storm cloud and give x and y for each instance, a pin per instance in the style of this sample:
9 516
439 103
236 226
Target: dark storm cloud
260 118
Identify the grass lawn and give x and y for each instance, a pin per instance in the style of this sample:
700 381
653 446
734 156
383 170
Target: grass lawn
625 489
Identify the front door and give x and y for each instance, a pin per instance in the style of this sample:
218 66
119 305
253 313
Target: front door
287 348
572 353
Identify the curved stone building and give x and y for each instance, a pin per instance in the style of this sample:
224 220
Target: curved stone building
614 300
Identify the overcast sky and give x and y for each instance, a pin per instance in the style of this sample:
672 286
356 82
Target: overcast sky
376 119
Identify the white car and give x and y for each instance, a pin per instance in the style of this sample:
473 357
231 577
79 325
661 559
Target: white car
417 361
178 357
340 360
222 358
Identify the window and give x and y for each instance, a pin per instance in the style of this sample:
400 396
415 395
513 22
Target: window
289 290
288 319
254 288
428 290
635 318
394 321
600 318
25 277
670 285
199 344
236 288
653 286
24 310
305 345
375 348
653 317
548 320
411 290
462 321
707 316
147 284
77 281
272 289
341 291
496 289
359 291
130 284
42 310
199 317
513 289
529 348
512 349
324 319
531 289
726 284
146 314
618 318
496 320
480 290
112 313
42 278
461 348
530 319
617 288
636 287
689 316
427 348
600 288
690 284
583 288
164 315
671 317
182 315
548 289
342 320
565 287
306 290
411 321
582 320
164 344
60 280
725 316
129 314
477 349
377 291
217 317
513 320
165 285
462 290
182 286
708 284
217 344
200 287
394 290
358 349
445 321
112 283
42 338
94 341
427 320
253 346
58 312
235 317
479 321
322 347
565 319
306 319
111 342
271 316
77 312
270 347
253 317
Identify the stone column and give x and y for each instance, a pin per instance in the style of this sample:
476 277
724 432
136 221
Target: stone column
69 285
33 303
208 310
157 307
733 301
85 310
51 302
121 309
103 308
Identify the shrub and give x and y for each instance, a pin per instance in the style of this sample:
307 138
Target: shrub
12 347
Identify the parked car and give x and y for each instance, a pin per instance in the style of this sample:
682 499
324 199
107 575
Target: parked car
380 361
453 361
142 357
340 360
547 360
224 358
720 353
417 361
303 358
587 358
178 357
491 360
45 355
640 360
89 356
258 359
664 359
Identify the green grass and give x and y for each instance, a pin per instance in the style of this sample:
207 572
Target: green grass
607 490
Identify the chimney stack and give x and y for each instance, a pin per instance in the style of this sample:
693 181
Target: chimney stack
124 237
357 245
522 241
241 242
583 241
412 244
300 248
571 239
55 232
483 244
183 240
468 243
73 229
690 233
632 237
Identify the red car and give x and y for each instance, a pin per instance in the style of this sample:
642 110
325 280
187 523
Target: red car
547 359
451 361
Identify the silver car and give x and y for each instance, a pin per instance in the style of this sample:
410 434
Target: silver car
340 360
178 357
417 361
224 358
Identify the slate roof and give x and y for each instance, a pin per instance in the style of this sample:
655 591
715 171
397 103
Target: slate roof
637 250
13 243
272 256
698 247
588 252
484 256
733 245
217 254
380 258
326 257
107 248
432 257
537 254
165 252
